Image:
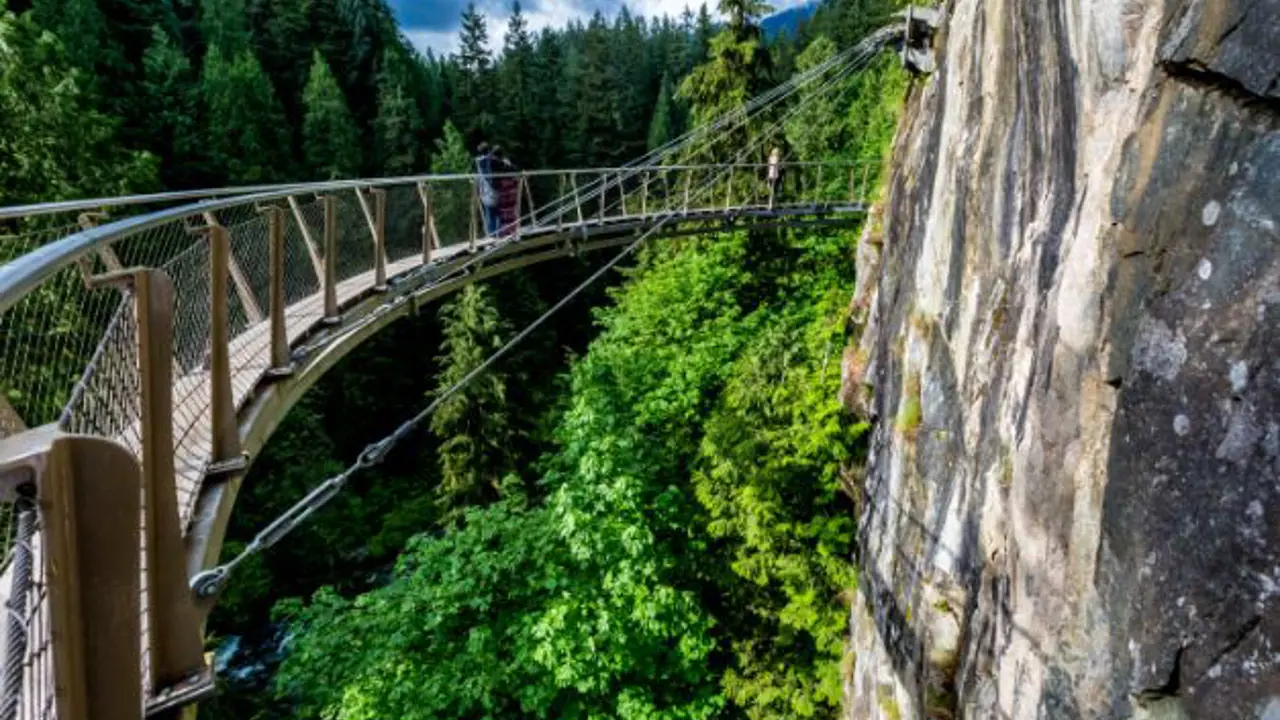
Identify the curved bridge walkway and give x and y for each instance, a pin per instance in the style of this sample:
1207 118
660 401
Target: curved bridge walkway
155 354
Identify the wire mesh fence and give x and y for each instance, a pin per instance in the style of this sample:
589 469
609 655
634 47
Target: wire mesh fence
26 658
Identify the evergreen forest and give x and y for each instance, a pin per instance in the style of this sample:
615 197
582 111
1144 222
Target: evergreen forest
647 511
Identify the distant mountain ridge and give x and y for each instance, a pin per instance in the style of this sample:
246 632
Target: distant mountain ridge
788 21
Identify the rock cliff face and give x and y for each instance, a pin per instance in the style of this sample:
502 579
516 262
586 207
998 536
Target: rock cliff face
1071 345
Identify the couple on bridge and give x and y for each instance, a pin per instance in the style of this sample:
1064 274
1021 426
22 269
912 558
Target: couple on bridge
499 193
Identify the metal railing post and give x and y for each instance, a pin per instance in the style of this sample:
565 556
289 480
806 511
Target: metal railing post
560 210
280 364
622 192
475 208
379 239
176 646
604 193
865 169
728 189
225 430
688 178
817 188
533 208
851 175
520 188
644 193
428 221
577 201
330 204
239 281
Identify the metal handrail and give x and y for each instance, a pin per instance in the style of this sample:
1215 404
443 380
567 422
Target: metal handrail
26 272
70 206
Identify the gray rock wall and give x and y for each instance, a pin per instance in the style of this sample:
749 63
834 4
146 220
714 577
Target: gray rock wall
1072 348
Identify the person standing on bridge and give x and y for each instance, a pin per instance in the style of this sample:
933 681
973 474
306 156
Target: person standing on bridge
484 186
508 187
774 173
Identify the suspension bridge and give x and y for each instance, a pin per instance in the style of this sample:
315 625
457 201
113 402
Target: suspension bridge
150 345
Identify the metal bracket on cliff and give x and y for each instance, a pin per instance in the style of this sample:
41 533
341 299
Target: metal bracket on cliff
919 25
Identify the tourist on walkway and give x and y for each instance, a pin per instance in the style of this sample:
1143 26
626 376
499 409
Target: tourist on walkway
774 173
508 191
488 193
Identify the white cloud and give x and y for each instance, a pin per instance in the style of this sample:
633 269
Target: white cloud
556 14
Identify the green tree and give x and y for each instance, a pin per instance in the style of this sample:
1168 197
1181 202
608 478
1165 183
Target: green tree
224 25
246 136
398 126
551 114
472 424
276 28
473 98
515 88
83 29
330 139
817 129
56 145
596 99
660 127
452 199
172 93
737 69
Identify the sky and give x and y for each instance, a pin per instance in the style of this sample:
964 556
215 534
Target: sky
433 24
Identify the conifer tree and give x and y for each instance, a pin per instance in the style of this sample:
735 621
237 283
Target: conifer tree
246 136
398 125
817 129
473 98
330 140
172 94
275 27
703 31
737 69
550 112
452 199
473 424
83 30
55 144
515 83
660 127
597 98
224 25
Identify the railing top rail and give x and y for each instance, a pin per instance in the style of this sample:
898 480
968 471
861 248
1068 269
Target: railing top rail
87 204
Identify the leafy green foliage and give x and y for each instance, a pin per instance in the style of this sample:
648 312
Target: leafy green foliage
55 144
815 131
